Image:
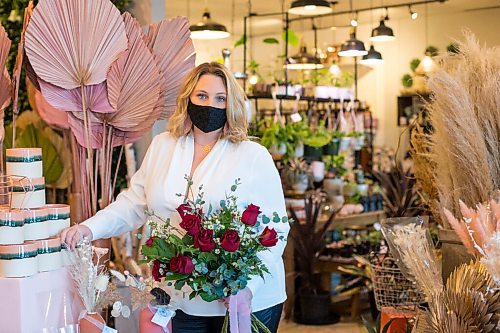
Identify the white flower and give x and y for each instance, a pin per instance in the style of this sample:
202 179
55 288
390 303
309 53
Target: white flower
117 306
216 251
125 311
101 283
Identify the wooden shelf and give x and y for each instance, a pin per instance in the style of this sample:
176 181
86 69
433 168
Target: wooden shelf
357 221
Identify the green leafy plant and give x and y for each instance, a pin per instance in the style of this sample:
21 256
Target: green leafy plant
335 162
275 135
318 137
431 51
453 48
407 81
414 64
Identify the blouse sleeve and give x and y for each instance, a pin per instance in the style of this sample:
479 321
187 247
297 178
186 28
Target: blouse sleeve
267 193
127 212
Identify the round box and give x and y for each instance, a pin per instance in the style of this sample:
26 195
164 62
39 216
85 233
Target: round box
36 224
28 193
58 218
11 227
49 254
18 260
26 162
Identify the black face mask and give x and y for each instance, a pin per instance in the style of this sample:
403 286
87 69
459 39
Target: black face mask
206 118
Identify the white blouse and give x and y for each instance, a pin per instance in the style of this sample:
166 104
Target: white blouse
162 176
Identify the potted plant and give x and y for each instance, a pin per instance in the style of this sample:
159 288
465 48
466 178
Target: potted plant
315 141
308 237
275 138
297 175
332 148
333 183
297 132
358 139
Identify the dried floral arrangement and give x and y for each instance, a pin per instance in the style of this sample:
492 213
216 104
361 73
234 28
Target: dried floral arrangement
469 302
479 231
411 244
463 150
91 278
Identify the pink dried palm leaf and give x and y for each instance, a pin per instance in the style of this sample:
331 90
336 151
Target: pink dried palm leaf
72 43
96 97
461 231
5 83
78 130
30 73
134 84
16 75
53 117
479 234
171 44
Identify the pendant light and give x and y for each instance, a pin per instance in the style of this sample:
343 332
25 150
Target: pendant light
372 58
207 28
352 47
310 7
427 64
382 33
303 60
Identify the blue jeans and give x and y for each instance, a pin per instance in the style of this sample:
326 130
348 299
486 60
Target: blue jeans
184 323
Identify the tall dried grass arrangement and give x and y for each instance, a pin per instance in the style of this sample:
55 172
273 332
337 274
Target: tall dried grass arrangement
465 115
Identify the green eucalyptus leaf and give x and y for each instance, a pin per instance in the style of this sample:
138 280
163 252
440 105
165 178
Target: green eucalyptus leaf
270 41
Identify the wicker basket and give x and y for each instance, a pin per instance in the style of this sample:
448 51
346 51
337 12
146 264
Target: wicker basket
392 289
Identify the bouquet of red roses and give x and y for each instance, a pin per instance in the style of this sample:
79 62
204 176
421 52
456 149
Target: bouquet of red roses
214 253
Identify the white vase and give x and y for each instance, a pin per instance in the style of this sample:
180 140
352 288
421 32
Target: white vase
345 144
318 170
359 142
278 150
322 92
334 92
299 150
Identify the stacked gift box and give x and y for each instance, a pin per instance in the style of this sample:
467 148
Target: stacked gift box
29 228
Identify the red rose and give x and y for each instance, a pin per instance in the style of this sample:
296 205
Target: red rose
159 270
269 237
183 210
181 264
205 240
149 242
230 240
192 224
249 216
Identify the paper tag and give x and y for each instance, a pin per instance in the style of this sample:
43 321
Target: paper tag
296 117
107 329
162 317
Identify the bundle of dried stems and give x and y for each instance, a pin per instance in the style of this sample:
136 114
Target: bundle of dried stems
465 115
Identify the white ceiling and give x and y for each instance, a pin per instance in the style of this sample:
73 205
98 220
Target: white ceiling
231 12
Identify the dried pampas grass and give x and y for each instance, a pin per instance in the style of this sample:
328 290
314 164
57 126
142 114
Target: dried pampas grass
465 114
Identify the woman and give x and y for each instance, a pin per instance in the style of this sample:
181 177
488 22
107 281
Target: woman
207 140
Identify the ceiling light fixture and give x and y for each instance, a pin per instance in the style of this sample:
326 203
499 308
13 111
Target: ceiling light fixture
354 20
310 7
413 15
208 29
382 33
303 60
353 47
372 58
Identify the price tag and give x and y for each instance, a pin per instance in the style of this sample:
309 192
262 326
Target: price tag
295 117
107 329
162 316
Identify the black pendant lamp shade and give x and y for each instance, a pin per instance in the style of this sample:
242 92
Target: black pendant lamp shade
208 29
372 58
382 33
353 47
303 60
310 7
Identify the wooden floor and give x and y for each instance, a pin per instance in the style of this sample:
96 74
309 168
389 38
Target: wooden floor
292 327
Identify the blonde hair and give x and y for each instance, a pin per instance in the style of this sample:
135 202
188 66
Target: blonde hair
236 126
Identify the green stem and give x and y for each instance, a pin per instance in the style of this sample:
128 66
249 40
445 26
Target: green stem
225 326
263 328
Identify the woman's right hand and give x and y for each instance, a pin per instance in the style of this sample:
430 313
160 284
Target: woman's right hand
72 235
